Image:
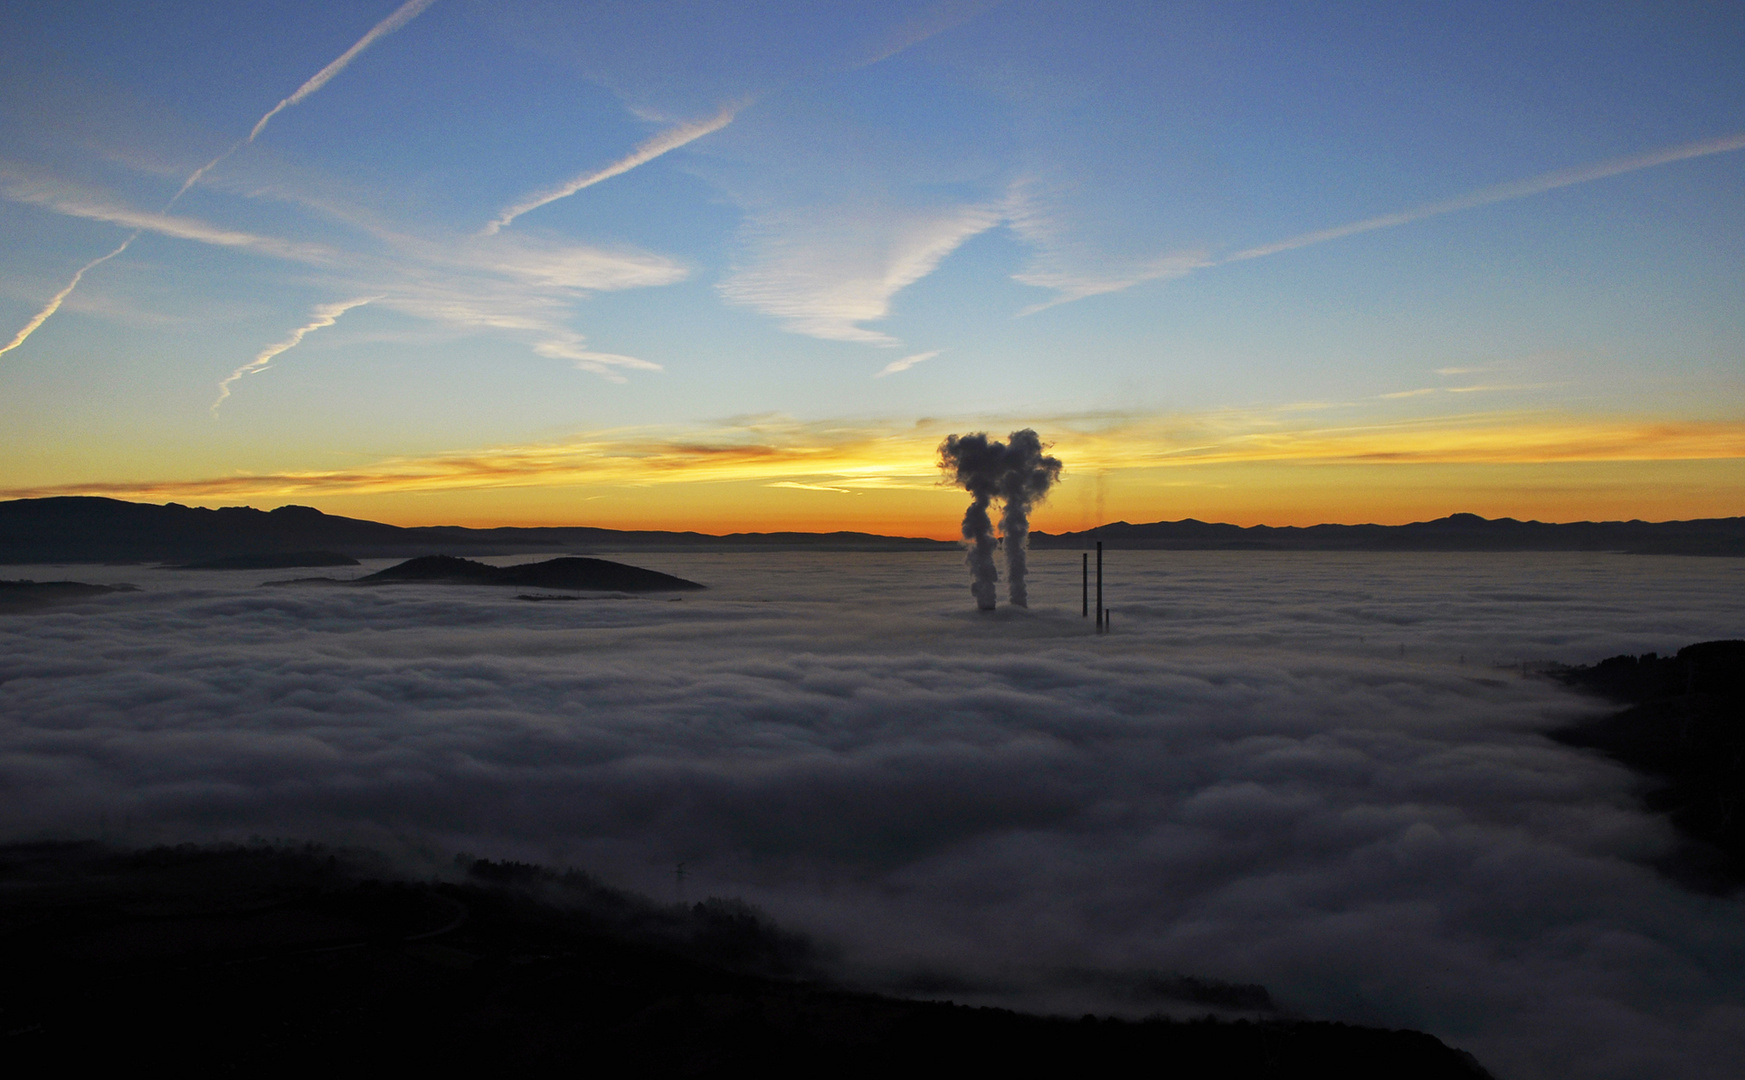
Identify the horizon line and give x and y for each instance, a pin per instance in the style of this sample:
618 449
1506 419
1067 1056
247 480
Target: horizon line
1451 515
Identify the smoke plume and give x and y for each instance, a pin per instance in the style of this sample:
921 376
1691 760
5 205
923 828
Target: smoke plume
1028 476
1019 474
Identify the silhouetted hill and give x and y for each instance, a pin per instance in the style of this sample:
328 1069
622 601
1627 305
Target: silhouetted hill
278 961
1684 728
1457 532
109 530
18 596
566 573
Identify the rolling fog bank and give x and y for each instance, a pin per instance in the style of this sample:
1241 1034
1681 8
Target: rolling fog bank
1319 773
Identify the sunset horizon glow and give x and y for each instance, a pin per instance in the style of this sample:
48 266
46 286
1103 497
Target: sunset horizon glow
663 268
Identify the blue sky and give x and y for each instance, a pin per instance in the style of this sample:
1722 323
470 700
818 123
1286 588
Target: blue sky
820 236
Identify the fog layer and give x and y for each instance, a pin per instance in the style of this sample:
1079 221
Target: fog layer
1322 773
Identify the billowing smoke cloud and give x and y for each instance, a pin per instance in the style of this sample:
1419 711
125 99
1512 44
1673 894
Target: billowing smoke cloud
1019 474
404 14
978 463
1029 474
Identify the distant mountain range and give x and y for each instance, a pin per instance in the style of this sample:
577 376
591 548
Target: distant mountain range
1457 532
83 529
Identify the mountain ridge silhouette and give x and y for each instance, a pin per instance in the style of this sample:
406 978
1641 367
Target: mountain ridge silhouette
95 529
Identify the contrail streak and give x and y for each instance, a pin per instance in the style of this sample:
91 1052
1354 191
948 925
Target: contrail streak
402 15
325 315
648 150
1518 189
54 304
1180 265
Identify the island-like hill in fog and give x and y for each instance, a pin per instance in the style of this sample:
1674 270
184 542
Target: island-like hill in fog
88 529
572 572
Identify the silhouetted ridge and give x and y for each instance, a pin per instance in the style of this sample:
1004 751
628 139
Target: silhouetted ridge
1457 532
284 960
566 573
87 529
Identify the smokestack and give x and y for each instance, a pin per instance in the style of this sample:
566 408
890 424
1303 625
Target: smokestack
1019 474
1099 586
1085 586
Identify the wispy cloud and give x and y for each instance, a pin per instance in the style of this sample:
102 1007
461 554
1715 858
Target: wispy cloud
1069 286
923 26
648 150
325 315
824 271
1477 388
1031 223
868 455
402 15
59 298
906 363
1518 189
1518 437
522 285
1066 265
761 450
74 201
570 347
811 487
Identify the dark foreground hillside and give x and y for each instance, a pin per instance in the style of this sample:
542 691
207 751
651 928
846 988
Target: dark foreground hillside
251 960
1684 728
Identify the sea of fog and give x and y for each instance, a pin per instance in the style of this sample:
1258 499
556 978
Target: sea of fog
1325 774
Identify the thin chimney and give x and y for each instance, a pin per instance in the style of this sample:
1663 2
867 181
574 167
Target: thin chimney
1099 586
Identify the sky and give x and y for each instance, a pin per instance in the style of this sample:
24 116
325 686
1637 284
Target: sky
744 266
